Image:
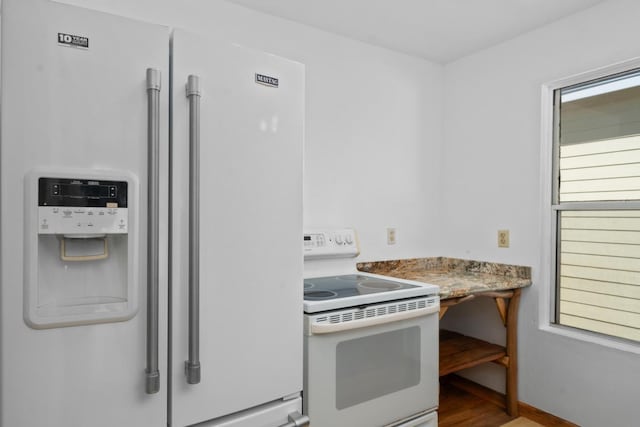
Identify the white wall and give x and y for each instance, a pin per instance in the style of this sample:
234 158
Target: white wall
491 176
373 121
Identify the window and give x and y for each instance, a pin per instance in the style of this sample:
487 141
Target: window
596 205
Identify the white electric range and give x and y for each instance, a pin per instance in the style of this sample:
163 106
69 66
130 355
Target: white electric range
371 341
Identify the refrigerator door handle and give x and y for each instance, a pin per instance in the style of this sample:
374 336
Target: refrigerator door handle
152 384
192 365
296 419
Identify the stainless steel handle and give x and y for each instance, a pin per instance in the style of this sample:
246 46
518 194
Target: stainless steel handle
296 419
192 365
152 372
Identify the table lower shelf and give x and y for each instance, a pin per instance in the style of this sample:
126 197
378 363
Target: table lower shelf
459 352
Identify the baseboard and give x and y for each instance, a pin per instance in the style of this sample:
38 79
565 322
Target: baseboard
525 410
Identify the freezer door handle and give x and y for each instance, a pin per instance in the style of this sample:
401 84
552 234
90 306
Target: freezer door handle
296 419
192 365
152 384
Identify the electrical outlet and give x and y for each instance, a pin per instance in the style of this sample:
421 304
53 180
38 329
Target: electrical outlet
503 238
391 236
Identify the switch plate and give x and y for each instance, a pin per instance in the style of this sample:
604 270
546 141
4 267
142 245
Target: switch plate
503 238
391 236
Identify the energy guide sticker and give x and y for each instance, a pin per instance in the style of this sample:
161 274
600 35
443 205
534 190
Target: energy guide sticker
71 40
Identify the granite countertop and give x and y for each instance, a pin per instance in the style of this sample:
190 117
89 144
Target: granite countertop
455 277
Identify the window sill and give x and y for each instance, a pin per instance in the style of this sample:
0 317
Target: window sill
592 338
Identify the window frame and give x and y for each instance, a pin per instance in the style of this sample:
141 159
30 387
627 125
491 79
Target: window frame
551 208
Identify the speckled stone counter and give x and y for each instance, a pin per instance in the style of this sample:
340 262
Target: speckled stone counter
455 277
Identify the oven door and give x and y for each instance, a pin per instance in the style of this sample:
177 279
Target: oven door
372 375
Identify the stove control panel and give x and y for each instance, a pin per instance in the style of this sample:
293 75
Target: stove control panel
330 243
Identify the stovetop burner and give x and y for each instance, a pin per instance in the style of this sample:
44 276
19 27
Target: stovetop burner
318 295
379 286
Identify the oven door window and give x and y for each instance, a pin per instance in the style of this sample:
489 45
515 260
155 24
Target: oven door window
377 365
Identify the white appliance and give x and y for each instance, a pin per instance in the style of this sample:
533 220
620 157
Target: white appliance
151 205
371 342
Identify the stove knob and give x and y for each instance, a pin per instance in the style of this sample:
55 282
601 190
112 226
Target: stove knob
339 239
348 239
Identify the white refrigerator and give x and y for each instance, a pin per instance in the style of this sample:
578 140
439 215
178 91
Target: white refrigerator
151 225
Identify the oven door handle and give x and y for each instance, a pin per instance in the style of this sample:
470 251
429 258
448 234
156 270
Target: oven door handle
329 328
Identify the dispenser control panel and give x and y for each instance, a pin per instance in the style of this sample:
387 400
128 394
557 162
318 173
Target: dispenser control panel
336 243
82 206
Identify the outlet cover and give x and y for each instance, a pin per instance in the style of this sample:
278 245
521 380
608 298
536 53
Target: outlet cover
503 238
391 236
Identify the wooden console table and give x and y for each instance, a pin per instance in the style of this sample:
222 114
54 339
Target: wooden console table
461 281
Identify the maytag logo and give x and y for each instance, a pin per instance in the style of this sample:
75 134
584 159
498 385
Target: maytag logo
266 80
73 41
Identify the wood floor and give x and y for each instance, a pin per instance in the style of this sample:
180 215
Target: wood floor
465 403
460 408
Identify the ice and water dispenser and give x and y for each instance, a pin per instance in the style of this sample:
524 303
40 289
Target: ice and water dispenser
81 248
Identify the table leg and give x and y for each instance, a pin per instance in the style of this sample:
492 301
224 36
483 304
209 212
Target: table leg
512 355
